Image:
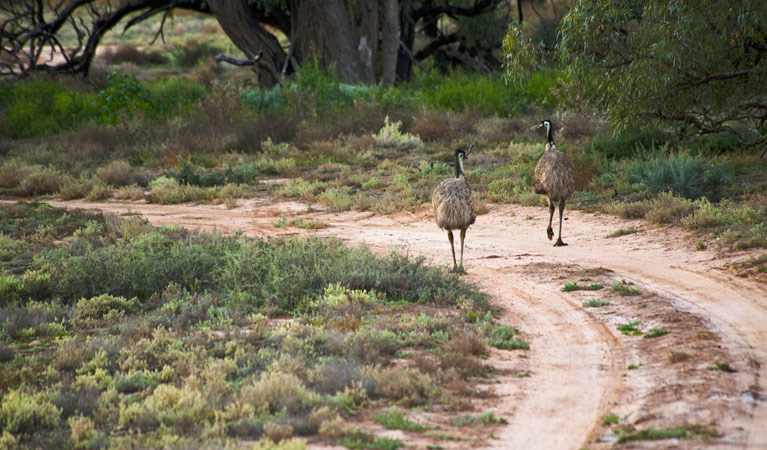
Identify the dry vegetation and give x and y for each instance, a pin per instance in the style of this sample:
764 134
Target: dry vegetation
116 333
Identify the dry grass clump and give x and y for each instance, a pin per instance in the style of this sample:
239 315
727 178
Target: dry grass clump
132 192
663 209
628 210
666 208
168 191
116 173
495 129
41 181
13 171
126 53
585 168
390 136
72 188
98 192
250 135
432 126
460 354
579 125
275 392
407 386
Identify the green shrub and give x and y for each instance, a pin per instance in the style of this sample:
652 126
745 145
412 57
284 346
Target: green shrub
42 106
170 94
390 136
23 413
684 176
631 142
135 382
461 92
33 285
653 434
502 337
393 419
191 53
10 288
168 191
124 95
656 332
104 305
630 328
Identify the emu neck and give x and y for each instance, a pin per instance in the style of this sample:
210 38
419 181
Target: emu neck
549 135
458 166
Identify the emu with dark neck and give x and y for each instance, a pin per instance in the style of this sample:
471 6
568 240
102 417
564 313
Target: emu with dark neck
554 178
453 205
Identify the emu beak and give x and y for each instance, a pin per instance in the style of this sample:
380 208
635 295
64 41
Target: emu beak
540 125
469 150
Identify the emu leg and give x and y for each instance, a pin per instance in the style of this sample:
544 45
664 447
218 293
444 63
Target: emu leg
559 242
452 247
549 231
463 235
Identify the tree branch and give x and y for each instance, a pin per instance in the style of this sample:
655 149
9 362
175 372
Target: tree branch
433 10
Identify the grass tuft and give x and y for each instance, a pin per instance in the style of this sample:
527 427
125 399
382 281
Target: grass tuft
625 289
630 328
502 337
656 332
595 303
721 367
395 420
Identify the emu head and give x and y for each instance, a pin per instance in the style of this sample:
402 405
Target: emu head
460 155
549 129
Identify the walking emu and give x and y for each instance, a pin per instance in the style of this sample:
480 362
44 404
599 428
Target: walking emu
454 205
554 179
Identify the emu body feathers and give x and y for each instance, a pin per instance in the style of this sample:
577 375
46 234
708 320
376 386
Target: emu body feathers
454 205
554 178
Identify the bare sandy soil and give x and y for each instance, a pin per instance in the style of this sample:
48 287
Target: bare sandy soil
580 366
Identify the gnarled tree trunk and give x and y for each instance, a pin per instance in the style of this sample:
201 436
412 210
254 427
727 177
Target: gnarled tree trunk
248 35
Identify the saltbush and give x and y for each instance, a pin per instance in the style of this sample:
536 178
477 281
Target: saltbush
632 142
101 306
42 106
685 176
21 412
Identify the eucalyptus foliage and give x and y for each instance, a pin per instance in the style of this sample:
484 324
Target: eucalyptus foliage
700 66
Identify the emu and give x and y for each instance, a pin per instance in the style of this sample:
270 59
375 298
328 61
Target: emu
554 179
454 206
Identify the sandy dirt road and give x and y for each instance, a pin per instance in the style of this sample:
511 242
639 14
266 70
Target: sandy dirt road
580 365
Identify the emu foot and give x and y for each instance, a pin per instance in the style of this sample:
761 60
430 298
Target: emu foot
559 243
549 233
459 270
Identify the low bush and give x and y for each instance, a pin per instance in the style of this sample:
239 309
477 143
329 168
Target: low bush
104 306
43 181
25 413
684 176
126 53
632 142
190 54
390 136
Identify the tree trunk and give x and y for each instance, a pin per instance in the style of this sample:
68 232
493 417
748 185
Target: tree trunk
368 48
326 32
406 39
389 41
248 35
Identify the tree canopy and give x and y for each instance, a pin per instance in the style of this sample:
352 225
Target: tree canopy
702 68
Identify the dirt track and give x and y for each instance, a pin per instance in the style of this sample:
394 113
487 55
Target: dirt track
578 362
